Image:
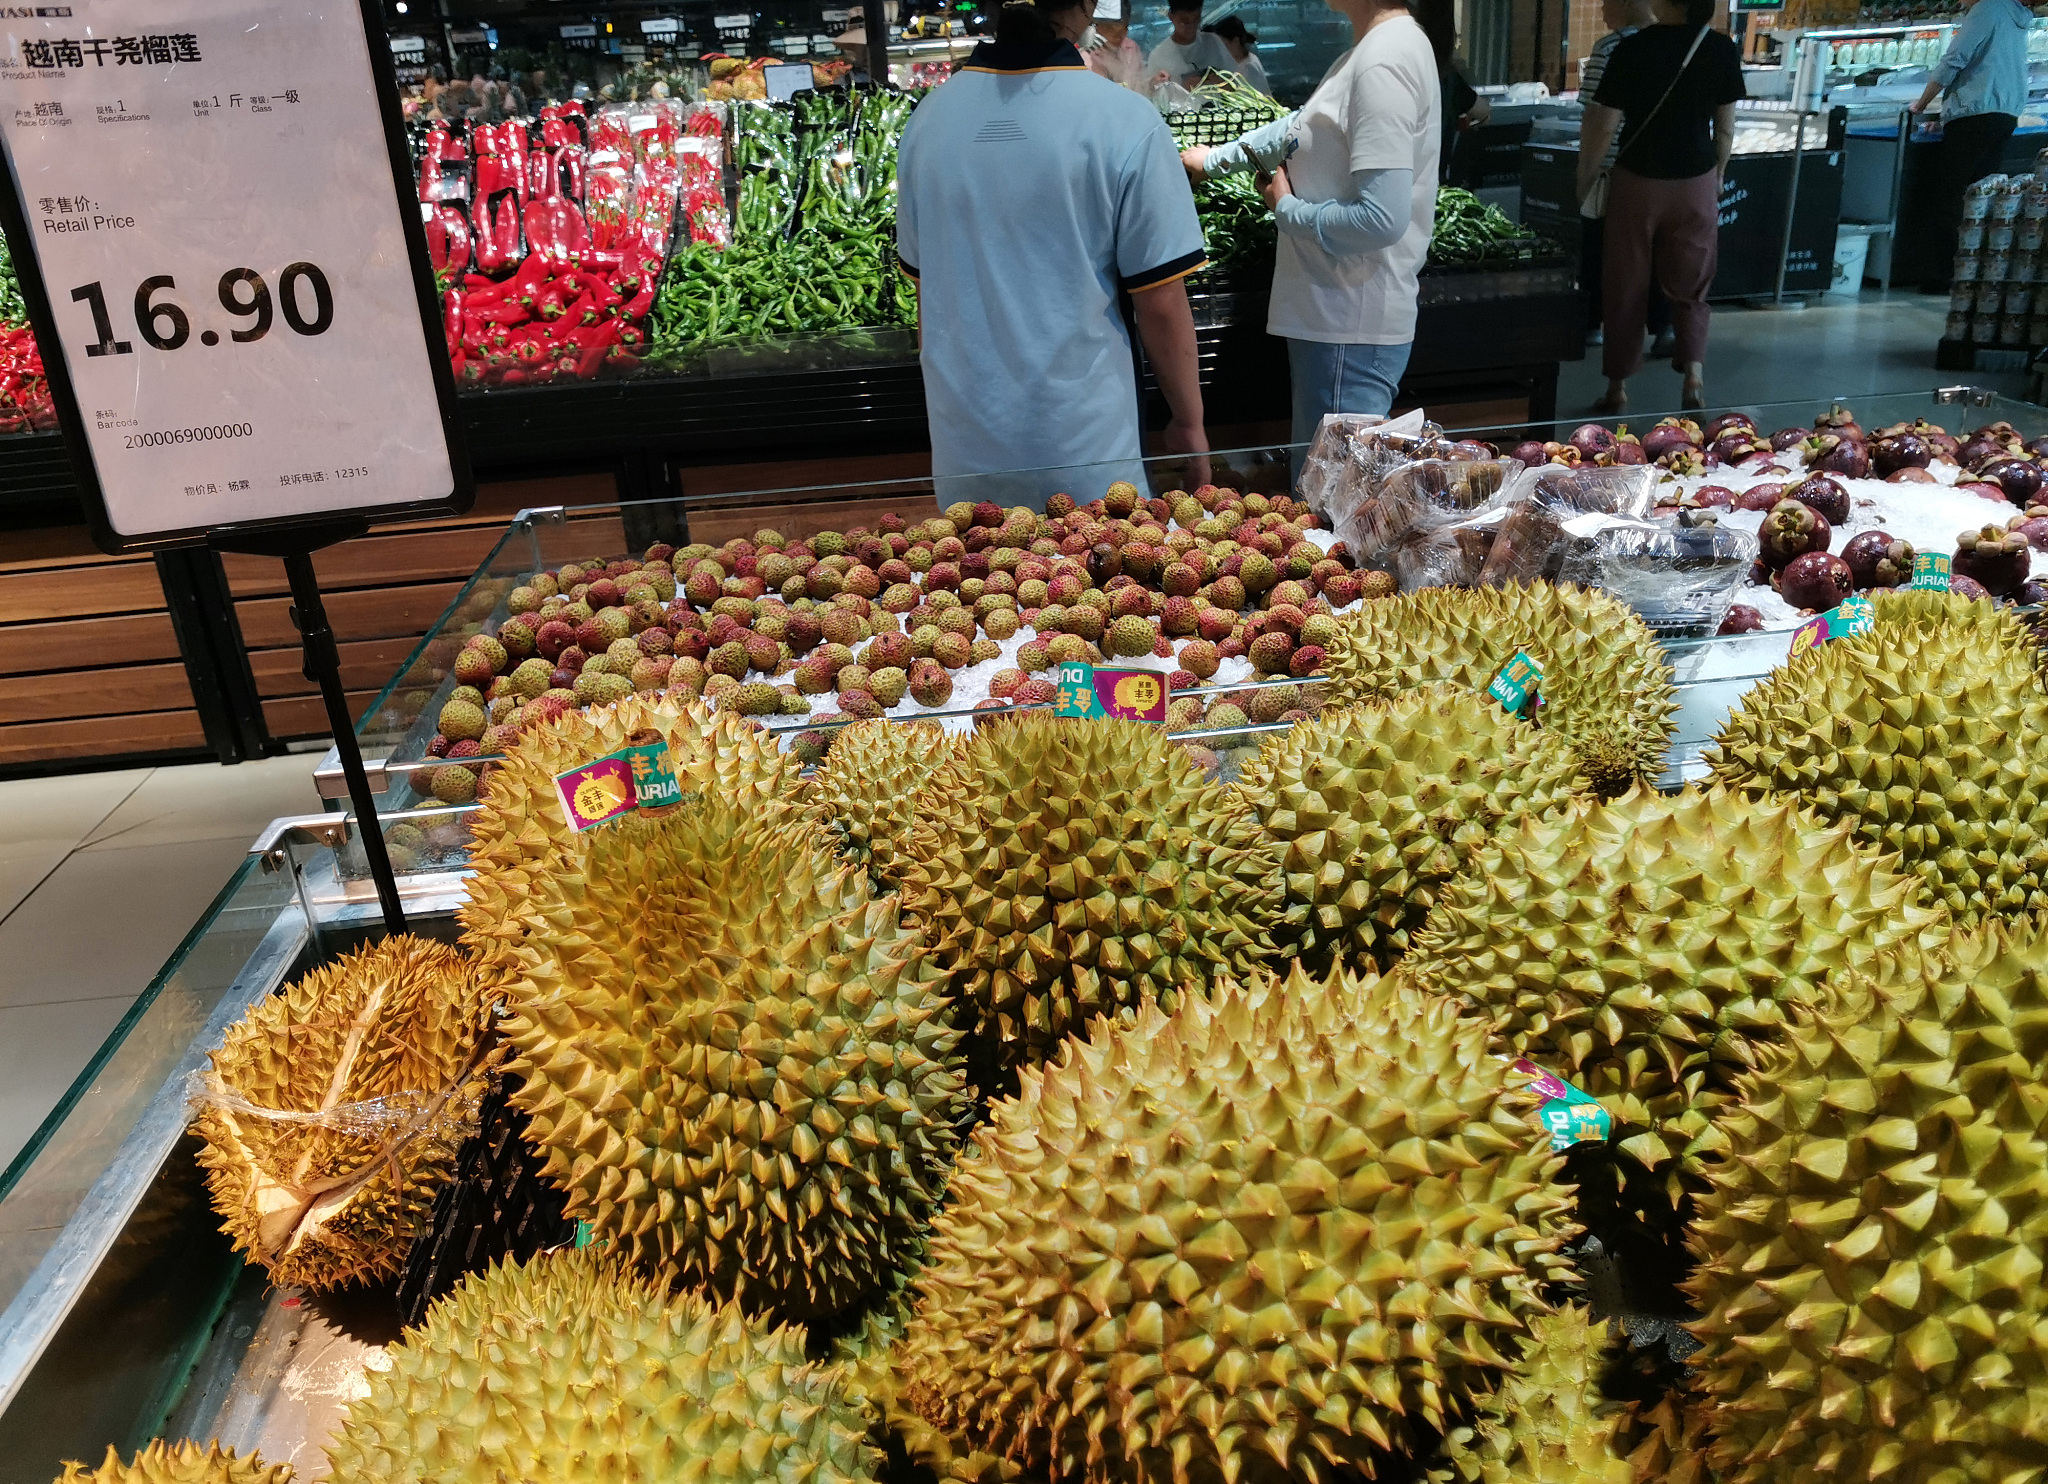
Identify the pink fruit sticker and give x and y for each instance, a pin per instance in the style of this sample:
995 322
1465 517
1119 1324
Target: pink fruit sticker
597 791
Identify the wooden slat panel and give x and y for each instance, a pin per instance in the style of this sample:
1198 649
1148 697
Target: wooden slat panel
94 693
77 643
68 592
367 663
371 613
288 718
373 561
55 546
100 736
573 540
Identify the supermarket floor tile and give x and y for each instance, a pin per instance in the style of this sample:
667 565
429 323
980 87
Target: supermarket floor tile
25 866
63 809
42 1048
206 802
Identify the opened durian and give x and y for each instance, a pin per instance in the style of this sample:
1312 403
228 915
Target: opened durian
1605 681
1870 1241
520 835
1638 948
1372 807
865 787
1063 868
1275 1235
736 1058
1547 1423
179 1463
572 1369
1928 733
333 1112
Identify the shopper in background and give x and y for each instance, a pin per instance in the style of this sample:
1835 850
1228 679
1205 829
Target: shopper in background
1982 83
1670 90
1459 106
1352 182
1107 48
1032 197
1190 51
1244 59
1622 18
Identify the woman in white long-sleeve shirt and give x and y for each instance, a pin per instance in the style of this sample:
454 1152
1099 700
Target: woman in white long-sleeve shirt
1352 183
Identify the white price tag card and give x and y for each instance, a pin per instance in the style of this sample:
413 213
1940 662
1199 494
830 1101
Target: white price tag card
211 224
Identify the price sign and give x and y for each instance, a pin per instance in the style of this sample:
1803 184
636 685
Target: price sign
213 218
1931 570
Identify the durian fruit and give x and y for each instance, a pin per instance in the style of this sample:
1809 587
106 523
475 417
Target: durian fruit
1605 680
1062 868
865 787
572 1369
1278 1234
519 834
1372 807
1547 1423
179 1463
736 1059
1928 733
1870 1240
1639 948
333 1112
1667 1442
870 1359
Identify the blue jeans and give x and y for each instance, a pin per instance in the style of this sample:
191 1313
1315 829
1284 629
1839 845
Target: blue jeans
1341 378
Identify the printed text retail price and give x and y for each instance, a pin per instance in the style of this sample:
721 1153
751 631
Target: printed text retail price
303 298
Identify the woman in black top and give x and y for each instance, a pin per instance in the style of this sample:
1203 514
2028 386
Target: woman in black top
1671 90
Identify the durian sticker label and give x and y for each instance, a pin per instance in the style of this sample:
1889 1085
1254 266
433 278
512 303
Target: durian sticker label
1853 617
597 791
1570 1117
1930 570
654 775
1517 678
1122 695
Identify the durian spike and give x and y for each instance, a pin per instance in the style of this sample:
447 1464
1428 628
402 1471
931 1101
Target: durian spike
1547 1423
866 786
164 1462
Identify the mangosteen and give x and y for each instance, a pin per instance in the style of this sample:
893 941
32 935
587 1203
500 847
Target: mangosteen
1711 496
1998 559
1591 440
1685 459
2038 447
1466 450
1737 444
1760 496
1837 453
1966 587
1786 438
2019 478
1943 444
1792 529
1910 475
1982 489
2032 594
1672 433
1694 517
2033 525
1740 619
1817 580
1976 448
1528 453
1877 559
1900 451
1826 494
1841 422
1628 450
1728 422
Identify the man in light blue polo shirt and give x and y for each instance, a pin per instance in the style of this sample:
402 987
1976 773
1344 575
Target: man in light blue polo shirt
1032 195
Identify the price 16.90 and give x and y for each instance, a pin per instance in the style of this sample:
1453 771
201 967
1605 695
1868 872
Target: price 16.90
303 298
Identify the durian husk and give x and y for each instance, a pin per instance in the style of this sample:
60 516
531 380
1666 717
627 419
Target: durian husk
1870 1239
871 1358
1548 1422
572 1369
736 1059
1275 1235
164 1462
866 785
1063 868
520 836
1605 683
1373 807
1927 732
1667 1442
1642 948
333 1111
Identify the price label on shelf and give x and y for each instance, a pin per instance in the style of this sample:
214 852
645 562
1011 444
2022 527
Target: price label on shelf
210 218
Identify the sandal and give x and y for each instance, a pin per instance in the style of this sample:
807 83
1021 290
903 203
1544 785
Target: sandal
1610 406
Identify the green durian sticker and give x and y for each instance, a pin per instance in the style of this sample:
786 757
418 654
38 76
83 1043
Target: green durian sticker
1517 679
1570 1117
1931 570
584 1235
654 775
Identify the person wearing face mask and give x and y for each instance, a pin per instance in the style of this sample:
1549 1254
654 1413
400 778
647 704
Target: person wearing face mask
1190 51
1352 181
1034 202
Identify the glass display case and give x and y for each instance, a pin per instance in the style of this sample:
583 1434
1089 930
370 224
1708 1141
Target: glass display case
123 1313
